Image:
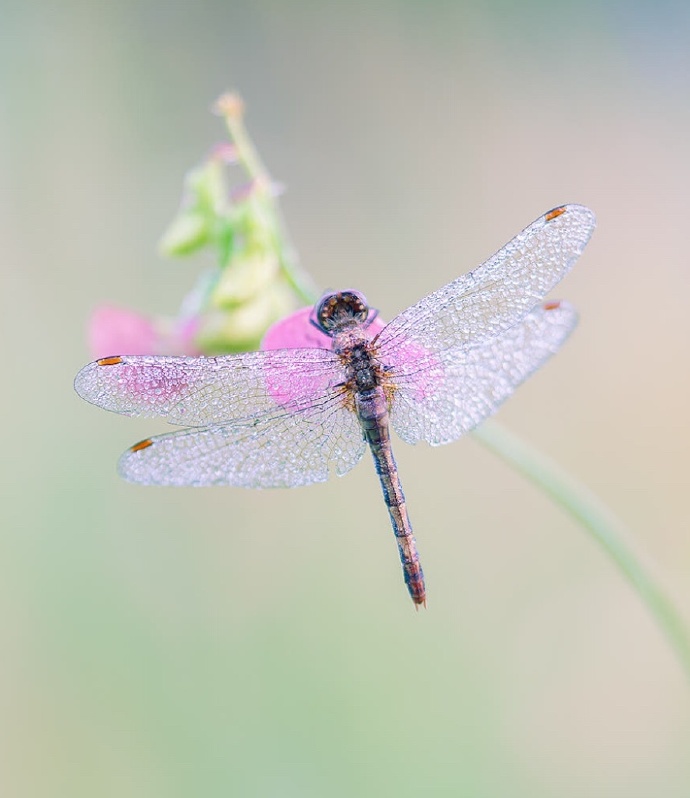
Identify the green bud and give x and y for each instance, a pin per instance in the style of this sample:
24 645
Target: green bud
187 233
194 226
206 187
248 274
259 221
242 328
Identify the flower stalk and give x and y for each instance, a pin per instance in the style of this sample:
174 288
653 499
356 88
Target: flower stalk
231 108
598 521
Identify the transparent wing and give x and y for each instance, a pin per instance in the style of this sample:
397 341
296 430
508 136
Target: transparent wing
268 450
198 391
448 393
261 419
495 296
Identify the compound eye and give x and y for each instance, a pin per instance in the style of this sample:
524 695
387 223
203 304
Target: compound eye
325 312
357 304
337 310
360 306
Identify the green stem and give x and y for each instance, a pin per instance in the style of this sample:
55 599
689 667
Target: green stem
601 524
231 108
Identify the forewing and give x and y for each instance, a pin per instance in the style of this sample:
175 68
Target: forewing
495 296
199 391
448 393
261 419
268 450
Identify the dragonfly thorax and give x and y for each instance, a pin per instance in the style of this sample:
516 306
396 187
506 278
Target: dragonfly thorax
339 310
363 371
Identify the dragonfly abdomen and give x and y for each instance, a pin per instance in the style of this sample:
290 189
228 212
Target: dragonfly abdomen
372 411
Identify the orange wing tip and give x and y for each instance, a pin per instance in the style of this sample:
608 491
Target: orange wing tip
109 361
555 213
141 445
553 305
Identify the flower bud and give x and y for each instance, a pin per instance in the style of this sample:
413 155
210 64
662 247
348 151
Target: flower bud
246 276
187 233
241 329
204 198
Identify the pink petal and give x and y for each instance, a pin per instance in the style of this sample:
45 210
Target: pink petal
116 331
431 372
297 332
182 338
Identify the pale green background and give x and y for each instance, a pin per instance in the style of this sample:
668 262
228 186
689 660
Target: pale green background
227 643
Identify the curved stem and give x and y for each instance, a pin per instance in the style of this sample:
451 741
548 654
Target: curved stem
231 108
601 524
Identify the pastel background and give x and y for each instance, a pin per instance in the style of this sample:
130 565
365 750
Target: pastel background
229 643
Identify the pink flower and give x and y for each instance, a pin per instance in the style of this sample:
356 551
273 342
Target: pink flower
118 331
297 332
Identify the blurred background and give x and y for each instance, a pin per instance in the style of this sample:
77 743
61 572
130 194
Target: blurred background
220 642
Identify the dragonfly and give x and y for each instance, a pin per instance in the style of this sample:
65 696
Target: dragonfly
292 416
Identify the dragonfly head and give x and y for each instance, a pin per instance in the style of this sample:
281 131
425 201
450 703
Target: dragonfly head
338 310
